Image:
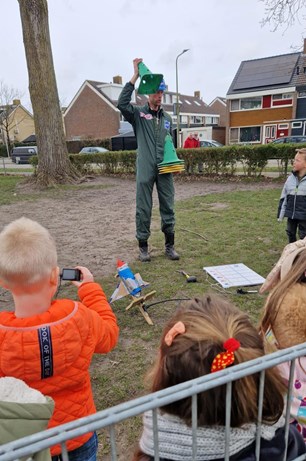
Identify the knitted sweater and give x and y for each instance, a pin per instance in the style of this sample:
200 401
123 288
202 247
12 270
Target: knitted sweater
175 440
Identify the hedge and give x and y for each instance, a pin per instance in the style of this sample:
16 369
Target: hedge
216 160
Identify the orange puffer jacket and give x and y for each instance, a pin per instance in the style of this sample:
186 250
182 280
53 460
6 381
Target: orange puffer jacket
52 352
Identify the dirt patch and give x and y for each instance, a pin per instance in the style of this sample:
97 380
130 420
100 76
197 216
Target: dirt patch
95 226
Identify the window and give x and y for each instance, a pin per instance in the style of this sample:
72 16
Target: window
234 135
211 120
246 103
270 131
296 125
282 99
250 134
246 134
235 104
302 94
283 126
250 103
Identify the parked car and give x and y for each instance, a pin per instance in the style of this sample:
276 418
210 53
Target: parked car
93 150
210 143
294 138
21 154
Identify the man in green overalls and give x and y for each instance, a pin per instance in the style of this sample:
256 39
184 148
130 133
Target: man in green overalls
151 125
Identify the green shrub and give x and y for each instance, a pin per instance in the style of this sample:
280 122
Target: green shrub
216 160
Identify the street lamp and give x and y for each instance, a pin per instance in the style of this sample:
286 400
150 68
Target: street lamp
178 101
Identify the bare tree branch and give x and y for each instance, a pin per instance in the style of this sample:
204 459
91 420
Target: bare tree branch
283 13
7 96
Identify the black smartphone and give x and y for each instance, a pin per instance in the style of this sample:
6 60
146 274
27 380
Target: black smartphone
71 274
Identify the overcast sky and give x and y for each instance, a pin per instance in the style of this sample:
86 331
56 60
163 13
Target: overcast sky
98 39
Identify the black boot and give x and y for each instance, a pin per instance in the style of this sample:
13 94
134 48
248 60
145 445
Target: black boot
143 251
169 248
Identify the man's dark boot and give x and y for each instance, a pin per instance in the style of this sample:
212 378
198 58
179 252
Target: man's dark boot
169 248
143 251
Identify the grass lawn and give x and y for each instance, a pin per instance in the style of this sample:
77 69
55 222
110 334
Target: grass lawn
239 227
234 227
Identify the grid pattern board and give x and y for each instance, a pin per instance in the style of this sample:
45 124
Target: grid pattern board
234 275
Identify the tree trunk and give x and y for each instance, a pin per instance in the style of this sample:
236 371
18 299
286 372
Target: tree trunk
54 166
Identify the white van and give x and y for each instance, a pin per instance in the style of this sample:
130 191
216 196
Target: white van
23 153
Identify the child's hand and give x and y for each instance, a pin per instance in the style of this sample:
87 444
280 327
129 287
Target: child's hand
86 276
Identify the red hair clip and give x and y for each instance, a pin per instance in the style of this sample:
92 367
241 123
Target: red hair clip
224 359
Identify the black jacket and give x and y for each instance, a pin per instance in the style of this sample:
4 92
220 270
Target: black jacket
292 203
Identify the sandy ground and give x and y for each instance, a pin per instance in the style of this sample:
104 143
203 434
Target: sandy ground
93 227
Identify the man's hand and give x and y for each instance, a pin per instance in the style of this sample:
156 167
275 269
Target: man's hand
86 276
136 61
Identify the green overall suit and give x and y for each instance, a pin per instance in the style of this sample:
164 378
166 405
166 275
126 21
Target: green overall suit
150 129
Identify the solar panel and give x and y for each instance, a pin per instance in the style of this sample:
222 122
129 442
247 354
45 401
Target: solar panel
276 70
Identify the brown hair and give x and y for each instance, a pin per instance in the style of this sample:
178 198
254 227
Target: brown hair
296 274
209 322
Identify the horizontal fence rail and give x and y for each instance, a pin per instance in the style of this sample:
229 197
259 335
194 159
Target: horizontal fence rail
27 446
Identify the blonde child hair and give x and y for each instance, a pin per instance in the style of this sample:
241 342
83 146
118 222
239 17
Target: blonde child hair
27 253
209 322
284 310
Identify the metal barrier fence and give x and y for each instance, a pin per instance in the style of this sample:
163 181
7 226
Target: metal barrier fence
30 445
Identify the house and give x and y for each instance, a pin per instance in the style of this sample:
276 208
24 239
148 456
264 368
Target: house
267 99
16 123
218 105
93 111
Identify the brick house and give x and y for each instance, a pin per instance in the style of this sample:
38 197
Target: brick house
267 99
93 113
218 105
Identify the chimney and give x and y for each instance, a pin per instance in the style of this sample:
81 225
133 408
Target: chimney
197 94
117 79
16 102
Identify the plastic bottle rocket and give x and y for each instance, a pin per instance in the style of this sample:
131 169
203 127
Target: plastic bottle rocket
128 278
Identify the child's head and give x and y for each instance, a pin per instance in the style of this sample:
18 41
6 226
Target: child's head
27 253
208 323
299 162
293 272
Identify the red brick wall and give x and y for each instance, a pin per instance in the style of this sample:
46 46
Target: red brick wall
91 117
220 109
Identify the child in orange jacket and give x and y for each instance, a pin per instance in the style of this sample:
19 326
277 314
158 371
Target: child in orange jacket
49 343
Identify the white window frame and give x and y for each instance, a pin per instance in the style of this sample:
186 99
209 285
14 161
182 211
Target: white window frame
296 125
236 104
237 140
283 126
